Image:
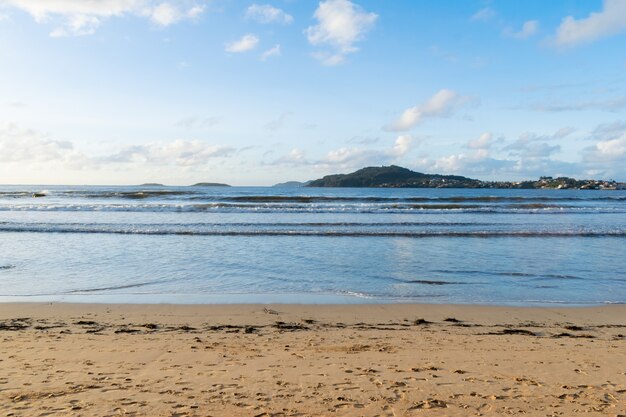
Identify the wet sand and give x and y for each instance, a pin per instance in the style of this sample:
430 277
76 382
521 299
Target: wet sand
300 360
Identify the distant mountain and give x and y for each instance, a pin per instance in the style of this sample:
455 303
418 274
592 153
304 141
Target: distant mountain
292 184
151 184
394 177
210 184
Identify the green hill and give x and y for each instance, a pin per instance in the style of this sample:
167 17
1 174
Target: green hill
394 177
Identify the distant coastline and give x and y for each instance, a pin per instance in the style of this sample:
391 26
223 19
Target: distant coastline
398 177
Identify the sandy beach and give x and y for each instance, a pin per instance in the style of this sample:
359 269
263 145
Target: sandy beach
300 360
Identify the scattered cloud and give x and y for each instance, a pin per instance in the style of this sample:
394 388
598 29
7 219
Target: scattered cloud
563 132
612 149
529 156
446 56
341 24
609 21
609 131
275 51
484 15
363 140
81 17
529 29
193 122
484 141
531 149
531 145
442 104
607 156
295 157
278 123
611 104
179 152
329 59
402 145
267 13
30 146
352 157
246 43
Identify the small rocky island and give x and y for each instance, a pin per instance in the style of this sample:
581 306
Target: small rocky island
209 184
398 177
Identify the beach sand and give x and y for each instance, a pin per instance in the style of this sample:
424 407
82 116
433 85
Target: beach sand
300 360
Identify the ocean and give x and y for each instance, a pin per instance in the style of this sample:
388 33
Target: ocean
312 245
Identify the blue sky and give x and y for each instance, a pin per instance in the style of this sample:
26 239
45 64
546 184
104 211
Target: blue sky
253 93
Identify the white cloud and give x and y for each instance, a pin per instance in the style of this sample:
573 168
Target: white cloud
529 28
611 142
246 43
83 17
527 149
328 59
195 11
165 14
533 146
77 25
275 51
179 152
614 148
353 157
27 146
442 104
341 24
267 13
484 15
609 21
484 141
607 157
348 158
402 145
295 157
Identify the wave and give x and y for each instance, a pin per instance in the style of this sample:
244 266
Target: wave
533 208
143 194
510 274
152 230
432 282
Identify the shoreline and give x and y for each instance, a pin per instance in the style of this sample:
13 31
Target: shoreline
302 299
295 360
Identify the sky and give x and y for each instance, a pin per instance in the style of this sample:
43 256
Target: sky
255 93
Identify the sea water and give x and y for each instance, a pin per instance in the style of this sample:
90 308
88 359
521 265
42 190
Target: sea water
314 245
